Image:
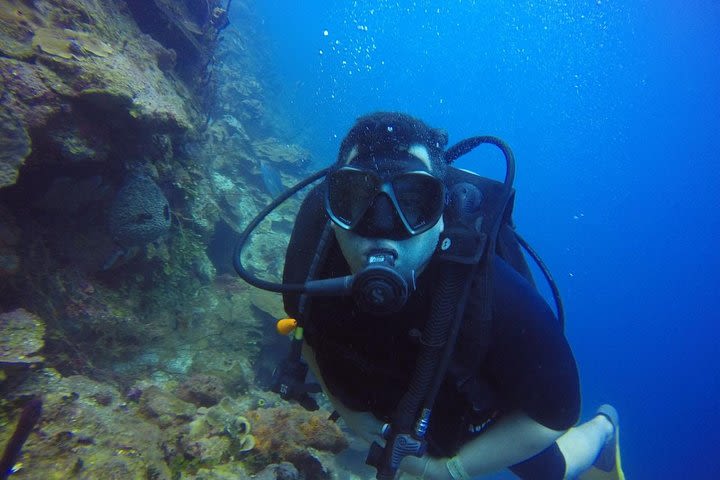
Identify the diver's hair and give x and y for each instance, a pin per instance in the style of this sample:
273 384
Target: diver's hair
393 132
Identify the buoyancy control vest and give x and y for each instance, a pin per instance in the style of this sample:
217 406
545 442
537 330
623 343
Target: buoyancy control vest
335 327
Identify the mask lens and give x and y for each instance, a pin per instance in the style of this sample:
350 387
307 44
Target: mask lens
420 198
350 192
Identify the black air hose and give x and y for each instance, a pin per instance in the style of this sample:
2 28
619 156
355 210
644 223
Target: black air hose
237 253
434 338
548 276
465 146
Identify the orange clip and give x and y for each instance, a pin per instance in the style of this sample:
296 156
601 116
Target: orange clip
285 326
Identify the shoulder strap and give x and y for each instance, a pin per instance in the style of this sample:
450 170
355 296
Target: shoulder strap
308 244
490 221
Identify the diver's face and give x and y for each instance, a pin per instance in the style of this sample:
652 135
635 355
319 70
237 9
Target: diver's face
413 254
381 227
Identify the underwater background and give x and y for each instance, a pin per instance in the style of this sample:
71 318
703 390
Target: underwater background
138 138
613 112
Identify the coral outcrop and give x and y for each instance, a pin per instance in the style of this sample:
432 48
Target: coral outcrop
70 70
302 435
164 408
88 431
202 390
21 337
184 26
218 434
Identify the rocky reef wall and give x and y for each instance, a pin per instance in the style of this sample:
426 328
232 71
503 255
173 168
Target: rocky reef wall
137 138
93 116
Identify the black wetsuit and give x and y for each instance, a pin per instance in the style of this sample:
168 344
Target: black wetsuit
367 362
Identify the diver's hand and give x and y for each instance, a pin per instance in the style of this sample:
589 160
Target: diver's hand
414 468
425 468
289 382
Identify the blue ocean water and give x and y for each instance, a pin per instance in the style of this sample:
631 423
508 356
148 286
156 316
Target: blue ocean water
613 111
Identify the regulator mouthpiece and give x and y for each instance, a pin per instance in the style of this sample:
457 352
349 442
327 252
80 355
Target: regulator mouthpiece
379 288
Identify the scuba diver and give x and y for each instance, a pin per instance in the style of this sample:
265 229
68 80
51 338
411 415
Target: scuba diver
414 307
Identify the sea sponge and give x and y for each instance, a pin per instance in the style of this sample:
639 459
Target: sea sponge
140 212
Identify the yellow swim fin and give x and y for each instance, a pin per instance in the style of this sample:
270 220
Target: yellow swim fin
612 470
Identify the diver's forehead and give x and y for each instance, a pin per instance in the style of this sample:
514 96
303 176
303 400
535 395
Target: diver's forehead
417 157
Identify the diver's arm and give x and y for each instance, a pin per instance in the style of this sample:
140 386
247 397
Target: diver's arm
513 439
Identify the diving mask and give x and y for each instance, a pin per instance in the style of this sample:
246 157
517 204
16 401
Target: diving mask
393 206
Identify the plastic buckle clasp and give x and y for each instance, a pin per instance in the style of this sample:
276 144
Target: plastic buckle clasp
403 445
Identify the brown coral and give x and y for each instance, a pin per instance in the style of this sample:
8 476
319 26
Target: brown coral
285 434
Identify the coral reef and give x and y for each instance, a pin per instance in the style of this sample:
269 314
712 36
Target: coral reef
302 433
77 64
29 418
130 124
219 434
236 471
86 431
89 429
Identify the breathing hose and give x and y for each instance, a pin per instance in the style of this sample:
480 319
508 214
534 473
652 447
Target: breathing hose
237 254
548 277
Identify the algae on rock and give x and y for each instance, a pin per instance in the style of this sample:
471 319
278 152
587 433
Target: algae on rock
80 49
88 431
21 337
